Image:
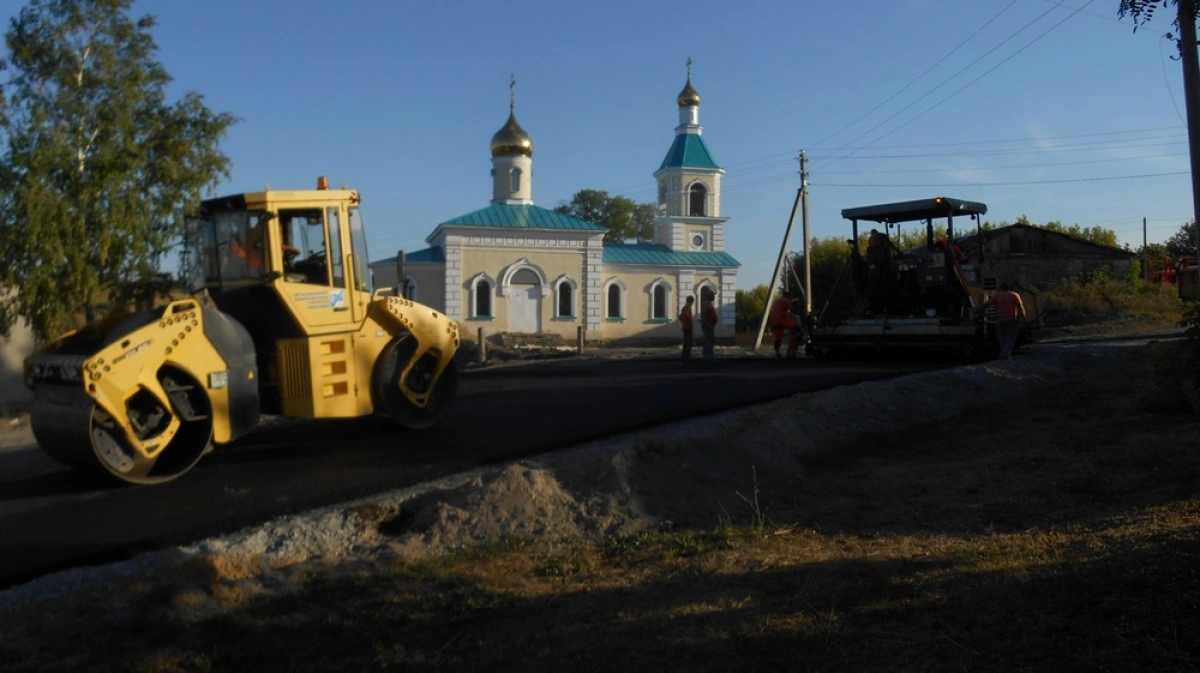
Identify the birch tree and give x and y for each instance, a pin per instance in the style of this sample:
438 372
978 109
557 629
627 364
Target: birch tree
97 164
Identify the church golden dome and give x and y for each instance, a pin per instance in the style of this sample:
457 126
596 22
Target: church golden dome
512 140
689 97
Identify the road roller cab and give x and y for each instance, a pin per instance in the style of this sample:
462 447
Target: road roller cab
283 321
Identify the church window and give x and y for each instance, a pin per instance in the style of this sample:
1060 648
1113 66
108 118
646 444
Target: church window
564 291
481 296
514 180
659 296
697 200
698 241
615 310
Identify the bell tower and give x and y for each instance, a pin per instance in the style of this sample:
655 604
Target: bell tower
689 184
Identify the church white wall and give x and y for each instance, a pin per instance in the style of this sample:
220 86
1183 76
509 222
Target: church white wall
637 321
552 259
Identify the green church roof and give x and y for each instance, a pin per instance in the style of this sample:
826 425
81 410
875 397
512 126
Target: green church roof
425 255
658 254
504 216
688 150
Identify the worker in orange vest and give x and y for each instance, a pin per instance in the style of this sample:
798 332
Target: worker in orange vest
248 249
686 321
1009 310
783 318
875 239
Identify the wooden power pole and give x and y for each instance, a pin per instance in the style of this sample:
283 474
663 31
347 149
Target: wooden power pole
801 198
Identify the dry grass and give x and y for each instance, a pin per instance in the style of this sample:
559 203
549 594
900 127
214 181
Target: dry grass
1059 533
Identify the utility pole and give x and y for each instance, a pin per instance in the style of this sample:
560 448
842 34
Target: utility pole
1145 254
762 325
807 238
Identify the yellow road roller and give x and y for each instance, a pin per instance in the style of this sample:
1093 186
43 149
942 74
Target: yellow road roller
281 321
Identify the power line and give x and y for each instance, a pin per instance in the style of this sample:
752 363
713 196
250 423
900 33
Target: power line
1017 150
918 78
1158 129
985 74
943 169
1007 183
1167 81
956 74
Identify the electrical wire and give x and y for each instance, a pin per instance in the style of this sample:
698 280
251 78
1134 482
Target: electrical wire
1007 183
973 81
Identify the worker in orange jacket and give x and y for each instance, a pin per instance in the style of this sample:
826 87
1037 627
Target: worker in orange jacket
1010 312
783 318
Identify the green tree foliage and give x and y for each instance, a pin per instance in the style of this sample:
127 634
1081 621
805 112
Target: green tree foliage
1183 242
1153 251
749 305
97 164
624 218
908 236
1095 234
830 279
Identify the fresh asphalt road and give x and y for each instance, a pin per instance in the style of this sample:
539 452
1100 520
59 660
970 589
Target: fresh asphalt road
65 519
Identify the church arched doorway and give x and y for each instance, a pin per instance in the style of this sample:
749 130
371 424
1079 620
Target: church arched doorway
525 302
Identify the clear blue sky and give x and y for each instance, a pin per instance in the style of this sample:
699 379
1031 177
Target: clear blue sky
1052 110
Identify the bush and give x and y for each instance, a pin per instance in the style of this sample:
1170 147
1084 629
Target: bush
1096 297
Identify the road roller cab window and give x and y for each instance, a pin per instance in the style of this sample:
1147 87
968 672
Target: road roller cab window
304 249
232 247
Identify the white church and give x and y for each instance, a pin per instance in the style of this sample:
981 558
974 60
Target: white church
514 267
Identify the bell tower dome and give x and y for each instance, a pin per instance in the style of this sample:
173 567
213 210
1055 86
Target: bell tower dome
512 158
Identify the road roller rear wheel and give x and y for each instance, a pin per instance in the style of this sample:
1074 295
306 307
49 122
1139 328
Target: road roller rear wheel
395 404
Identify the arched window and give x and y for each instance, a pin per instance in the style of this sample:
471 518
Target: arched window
712 289
660 296
481 296
514 180
615 309
483 299
564 291
697 199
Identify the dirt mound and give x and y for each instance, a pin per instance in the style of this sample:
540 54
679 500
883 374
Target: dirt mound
696 472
